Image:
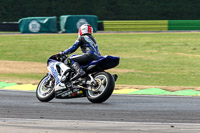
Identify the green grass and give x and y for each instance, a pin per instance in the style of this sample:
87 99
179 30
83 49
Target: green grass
164 59
9 32
23 76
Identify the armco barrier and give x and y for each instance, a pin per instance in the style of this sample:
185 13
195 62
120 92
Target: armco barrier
137 25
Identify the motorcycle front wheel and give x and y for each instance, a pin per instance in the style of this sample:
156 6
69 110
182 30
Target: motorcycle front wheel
43 93
103 90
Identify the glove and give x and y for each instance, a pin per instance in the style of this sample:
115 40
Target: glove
59 55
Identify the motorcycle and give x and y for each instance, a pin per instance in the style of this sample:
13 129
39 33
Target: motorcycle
97 84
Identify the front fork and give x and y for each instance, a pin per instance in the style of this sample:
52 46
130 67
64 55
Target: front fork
48 81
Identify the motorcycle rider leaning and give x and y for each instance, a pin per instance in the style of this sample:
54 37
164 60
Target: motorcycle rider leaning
89 47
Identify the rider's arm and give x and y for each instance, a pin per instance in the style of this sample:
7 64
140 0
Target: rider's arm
73 48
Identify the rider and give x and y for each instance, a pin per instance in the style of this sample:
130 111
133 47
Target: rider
89 48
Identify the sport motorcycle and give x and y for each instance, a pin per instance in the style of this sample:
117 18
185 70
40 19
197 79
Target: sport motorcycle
96 84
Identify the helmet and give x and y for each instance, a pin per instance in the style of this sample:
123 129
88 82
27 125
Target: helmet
85 29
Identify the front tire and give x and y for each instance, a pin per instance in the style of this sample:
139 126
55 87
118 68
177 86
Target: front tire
43 93
104 89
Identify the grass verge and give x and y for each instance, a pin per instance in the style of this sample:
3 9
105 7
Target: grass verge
163 59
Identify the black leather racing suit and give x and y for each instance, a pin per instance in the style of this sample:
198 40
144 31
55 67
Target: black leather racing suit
89 48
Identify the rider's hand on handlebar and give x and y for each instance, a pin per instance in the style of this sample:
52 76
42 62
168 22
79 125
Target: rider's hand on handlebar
59 55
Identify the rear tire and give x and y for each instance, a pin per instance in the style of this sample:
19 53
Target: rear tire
104 90
43 93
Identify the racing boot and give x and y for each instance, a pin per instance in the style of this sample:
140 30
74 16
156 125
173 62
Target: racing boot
78 70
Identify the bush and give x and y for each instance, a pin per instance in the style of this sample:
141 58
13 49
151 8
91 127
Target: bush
13 10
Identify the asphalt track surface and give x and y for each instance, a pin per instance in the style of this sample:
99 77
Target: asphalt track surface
121 113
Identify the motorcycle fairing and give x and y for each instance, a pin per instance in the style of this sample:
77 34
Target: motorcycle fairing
104 62
52 69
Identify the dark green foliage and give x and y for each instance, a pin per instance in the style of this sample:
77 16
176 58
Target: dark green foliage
13 10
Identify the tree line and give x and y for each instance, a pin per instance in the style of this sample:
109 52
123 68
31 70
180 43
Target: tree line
13 10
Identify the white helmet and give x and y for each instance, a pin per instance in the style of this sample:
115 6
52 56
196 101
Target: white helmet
85 29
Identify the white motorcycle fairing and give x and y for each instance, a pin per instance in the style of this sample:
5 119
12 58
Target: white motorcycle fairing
58 71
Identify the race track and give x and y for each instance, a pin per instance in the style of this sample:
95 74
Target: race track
162 111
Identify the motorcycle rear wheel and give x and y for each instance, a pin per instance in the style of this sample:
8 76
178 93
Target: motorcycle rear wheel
43 93
104 89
